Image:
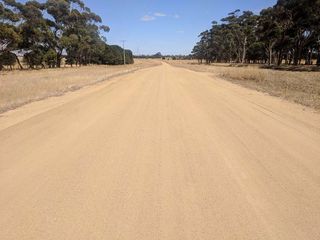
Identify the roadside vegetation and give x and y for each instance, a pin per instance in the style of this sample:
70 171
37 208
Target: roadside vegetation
287 33
299 87
18 88
53 33
276 51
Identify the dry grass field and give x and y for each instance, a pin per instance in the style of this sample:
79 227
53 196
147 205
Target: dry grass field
20 87
299 87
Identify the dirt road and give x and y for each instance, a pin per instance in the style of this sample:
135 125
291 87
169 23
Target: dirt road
163 153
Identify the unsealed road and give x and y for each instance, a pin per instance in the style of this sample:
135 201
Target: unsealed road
163 153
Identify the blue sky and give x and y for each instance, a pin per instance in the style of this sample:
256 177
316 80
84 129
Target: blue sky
166 26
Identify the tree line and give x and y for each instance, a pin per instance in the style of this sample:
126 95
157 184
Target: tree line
288 32
45 33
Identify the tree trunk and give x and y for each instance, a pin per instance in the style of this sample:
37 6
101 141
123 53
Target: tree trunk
297 53
239 55
295 57
279 58
59 58
18 61
309 57
270 51
270 57
244 49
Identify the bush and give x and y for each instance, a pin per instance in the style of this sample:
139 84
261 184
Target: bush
114 55
7 59
34 58
50 58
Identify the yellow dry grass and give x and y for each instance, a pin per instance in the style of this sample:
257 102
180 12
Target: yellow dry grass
20 87
299 87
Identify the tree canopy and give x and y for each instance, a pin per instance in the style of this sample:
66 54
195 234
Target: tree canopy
51 30
287 32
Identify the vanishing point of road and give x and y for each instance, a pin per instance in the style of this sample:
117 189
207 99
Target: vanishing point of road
162 153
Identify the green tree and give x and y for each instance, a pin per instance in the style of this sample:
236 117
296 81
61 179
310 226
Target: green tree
53 28
289 30
7 59
50 58
9 34
305 24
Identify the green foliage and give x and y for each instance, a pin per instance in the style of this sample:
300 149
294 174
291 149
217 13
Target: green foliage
7 59
129 57
114 55
35 58
9 37
50 58
288 31
49 29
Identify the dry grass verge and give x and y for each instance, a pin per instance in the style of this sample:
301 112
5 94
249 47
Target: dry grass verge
21 87
299 87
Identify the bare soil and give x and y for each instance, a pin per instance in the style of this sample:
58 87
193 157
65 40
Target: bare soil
162 153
